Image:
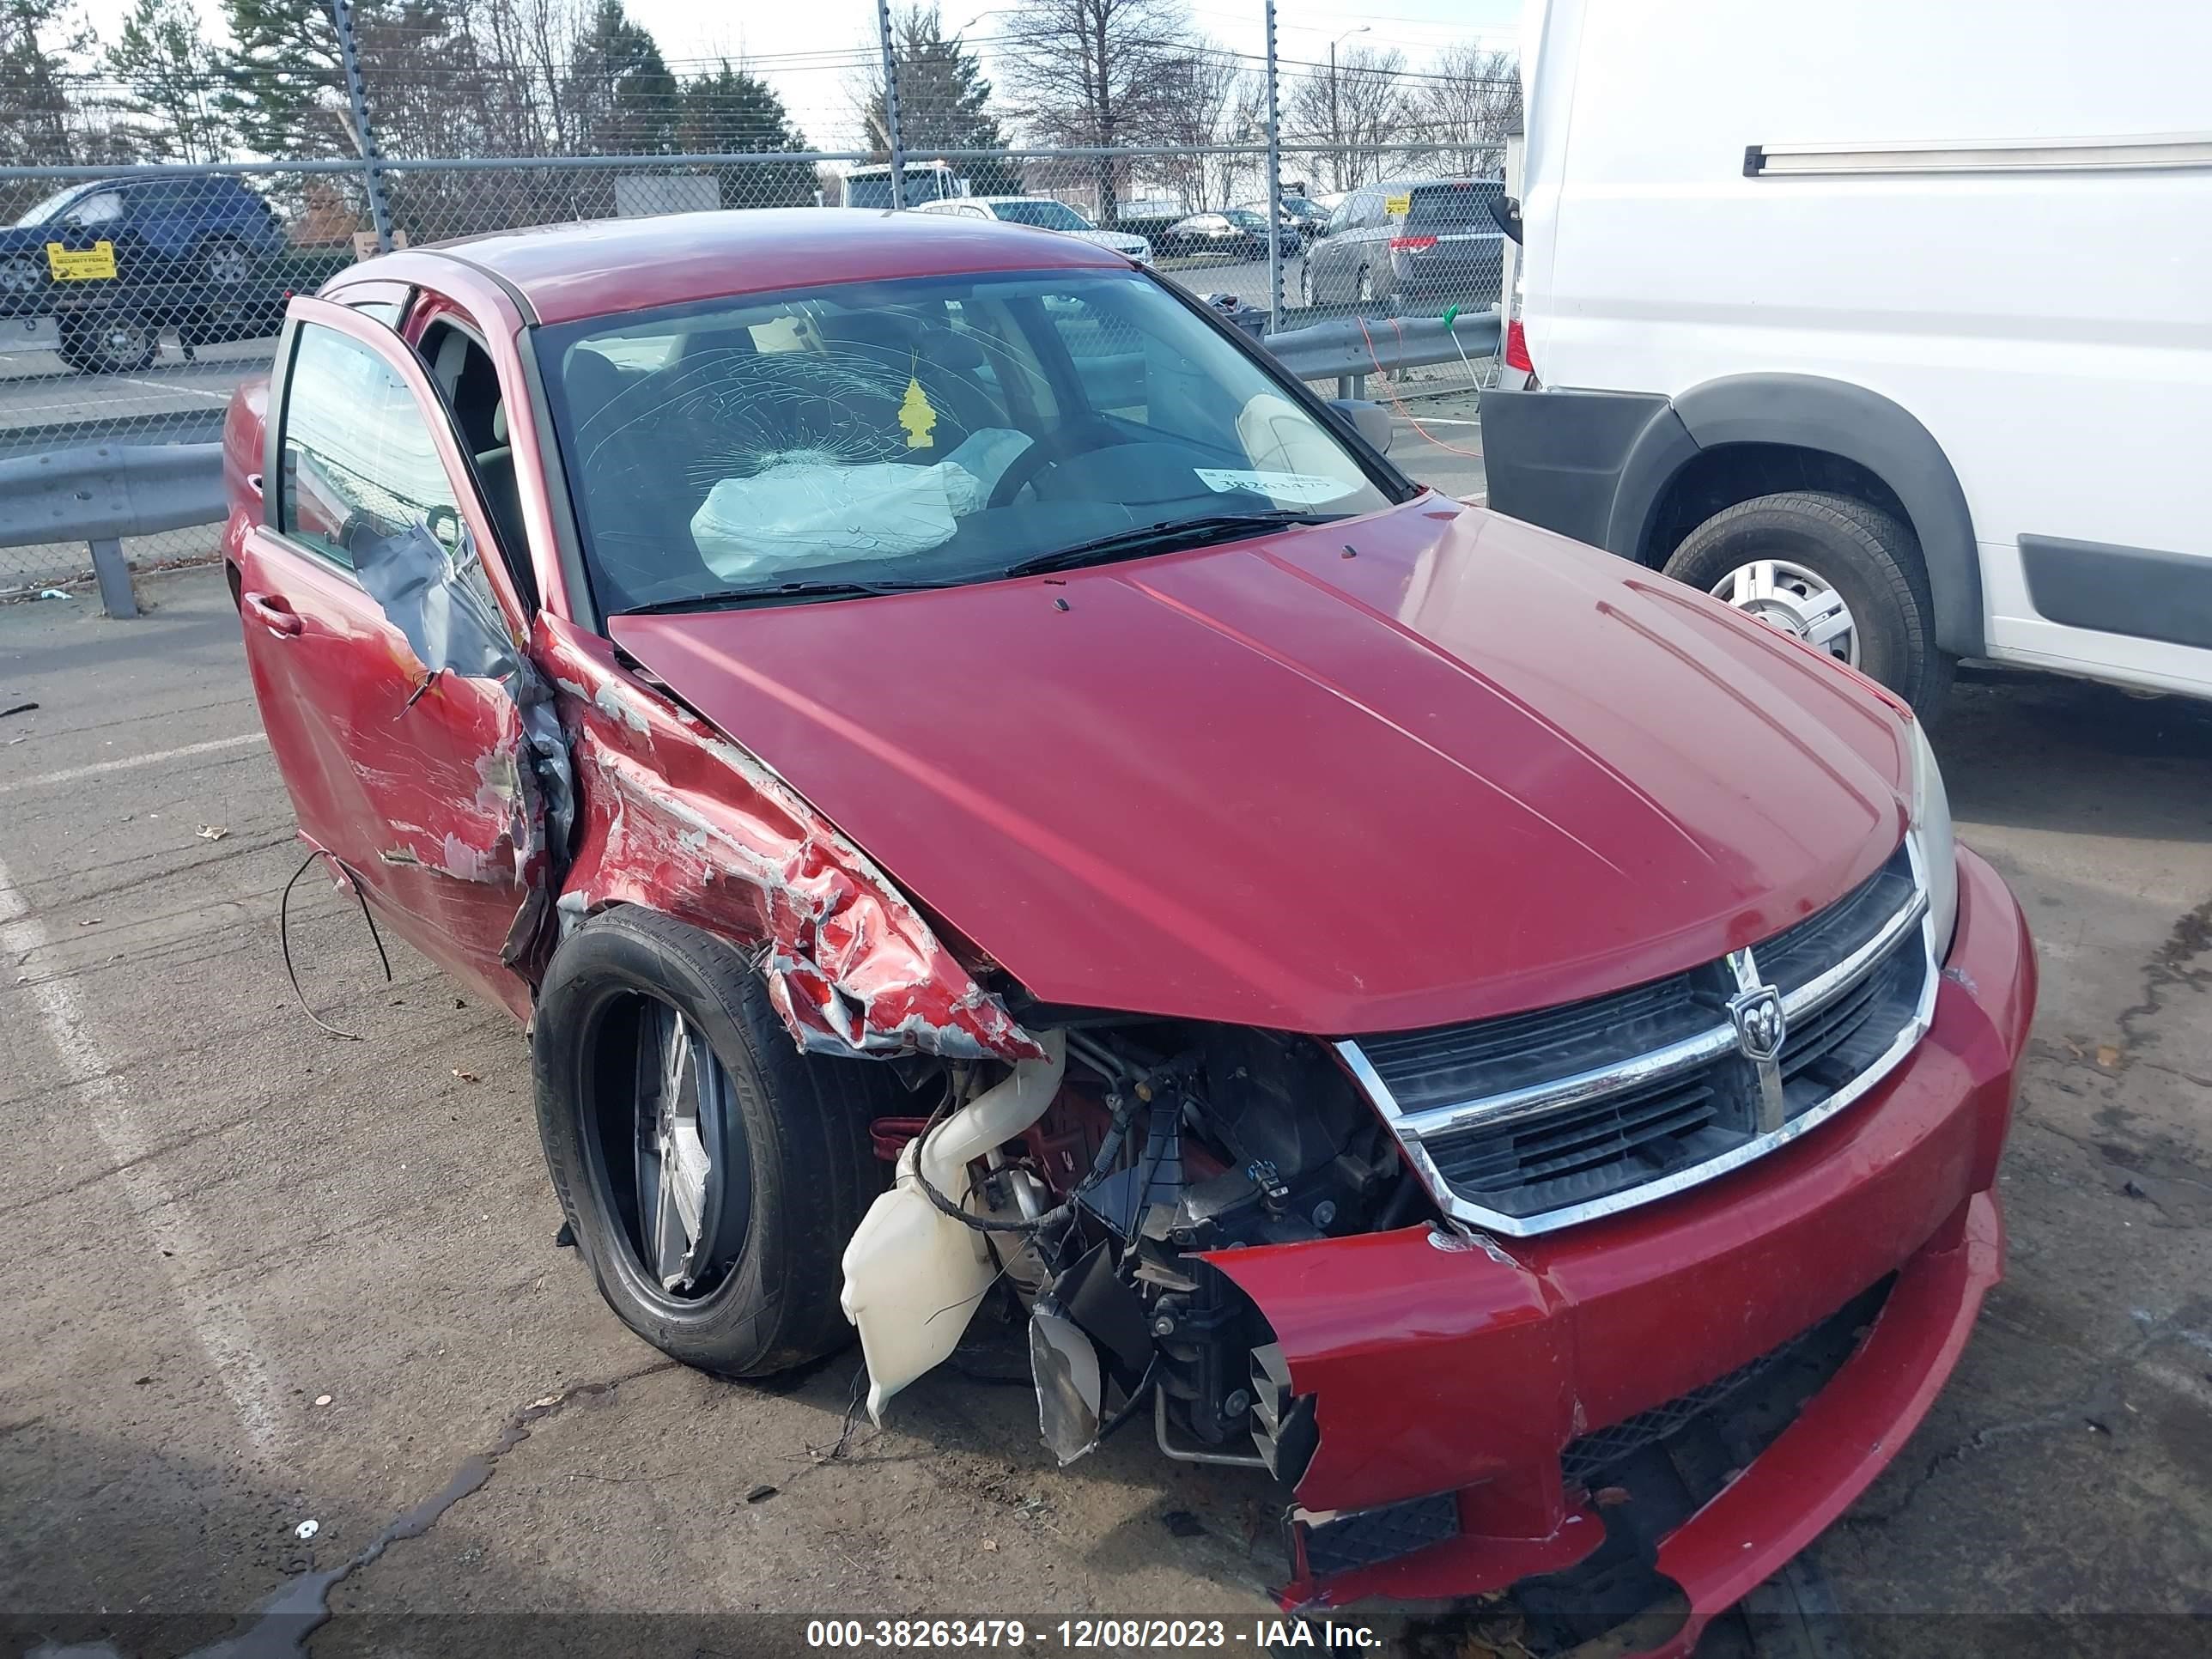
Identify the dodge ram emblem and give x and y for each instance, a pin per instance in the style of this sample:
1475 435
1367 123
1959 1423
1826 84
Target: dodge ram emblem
1759 1023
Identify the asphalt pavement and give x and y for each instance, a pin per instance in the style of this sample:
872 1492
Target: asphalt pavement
170 400
259 1277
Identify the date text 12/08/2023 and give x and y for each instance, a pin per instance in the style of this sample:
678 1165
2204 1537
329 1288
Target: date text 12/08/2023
1089 1635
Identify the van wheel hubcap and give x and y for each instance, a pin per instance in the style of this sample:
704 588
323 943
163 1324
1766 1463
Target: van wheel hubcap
1796 600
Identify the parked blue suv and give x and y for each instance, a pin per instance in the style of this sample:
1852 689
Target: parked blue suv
203 231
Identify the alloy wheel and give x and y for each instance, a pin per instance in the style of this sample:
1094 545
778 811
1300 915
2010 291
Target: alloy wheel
1797 600
228 265
693 1180
19 279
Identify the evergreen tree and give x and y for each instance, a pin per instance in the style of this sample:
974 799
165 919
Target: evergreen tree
285 94
168 73
945 103
624 99
734 113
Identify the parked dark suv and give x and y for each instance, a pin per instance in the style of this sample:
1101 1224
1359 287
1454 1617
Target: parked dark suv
205 233
1411 244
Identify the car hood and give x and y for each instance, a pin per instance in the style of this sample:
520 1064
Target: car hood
1426 766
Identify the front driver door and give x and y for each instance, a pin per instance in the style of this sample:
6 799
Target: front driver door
414 775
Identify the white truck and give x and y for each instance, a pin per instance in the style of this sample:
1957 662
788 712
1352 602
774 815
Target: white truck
1893 327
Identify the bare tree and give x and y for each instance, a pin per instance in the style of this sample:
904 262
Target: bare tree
1466 102
1097 73
1216 103
1357 107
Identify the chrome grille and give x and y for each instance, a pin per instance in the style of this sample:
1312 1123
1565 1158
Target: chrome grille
1531 1122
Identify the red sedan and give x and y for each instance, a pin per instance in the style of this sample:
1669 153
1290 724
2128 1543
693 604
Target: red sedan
981 786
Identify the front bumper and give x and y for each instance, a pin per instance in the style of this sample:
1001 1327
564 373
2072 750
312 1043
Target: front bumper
1484 1361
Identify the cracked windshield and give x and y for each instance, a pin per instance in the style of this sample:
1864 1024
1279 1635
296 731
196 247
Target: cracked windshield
925 433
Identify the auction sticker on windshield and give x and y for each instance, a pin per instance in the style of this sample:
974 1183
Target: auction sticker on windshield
1280 486
84 265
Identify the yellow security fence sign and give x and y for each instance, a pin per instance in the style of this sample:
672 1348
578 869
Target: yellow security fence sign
1394 205
92 265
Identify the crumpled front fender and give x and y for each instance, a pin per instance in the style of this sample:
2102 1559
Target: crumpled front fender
674 816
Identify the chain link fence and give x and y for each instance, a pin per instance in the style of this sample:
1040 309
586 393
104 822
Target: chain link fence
134 298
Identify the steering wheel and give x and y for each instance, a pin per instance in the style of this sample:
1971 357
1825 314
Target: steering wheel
1051 450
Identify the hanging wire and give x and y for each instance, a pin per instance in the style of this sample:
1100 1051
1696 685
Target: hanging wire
284 941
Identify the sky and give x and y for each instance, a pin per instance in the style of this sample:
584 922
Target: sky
791 44
806 50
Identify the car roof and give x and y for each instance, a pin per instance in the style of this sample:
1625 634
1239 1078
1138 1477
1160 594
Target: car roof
606 267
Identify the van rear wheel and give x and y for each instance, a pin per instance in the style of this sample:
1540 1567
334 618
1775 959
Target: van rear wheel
1843 576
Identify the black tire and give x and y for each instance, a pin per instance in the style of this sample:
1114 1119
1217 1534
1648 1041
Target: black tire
810 1172
108 345
1870 558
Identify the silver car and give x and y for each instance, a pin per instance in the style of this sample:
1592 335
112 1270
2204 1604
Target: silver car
1046 214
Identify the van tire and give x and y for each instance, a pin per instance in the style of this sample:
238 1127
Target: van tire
1870 557
795 1127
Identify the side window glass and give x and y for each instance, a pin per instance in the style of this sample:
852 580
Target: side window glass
387 312
359 467
103 209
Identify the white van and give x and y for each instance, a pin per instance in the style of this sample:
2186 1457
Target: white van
1892 324
919 182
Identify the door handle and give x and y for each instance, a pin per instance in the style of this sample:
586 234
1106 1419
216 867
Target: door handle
271 611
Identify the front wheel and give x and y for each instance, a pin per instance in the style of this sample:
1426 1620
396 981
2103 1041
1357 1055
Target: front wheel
1842 575
711 1174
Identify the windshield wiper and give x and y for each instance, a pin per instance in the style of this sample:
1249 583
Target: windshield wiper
732 597
1203 531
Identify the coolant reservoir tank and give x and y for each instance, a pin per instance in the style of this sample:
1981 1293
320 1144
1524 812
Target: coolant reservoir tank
914 1275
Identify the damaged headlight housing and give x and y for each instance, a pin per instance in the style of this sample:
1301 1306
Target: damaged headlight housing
1929 826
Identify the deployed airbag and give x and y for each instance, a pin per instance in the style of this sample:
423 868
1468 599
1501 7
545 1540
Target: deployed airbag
810 507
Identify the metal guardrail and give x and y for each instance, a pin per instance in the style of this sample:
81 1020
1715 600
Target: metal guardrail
99 496
200 425
1353 347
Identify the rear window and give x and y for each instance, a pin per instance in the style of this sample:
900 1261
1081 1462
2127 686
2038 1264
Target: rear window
1453 207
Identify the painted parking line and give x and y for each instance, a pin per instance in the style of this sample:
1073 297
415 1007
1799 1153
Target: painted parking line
111 1110
222 396
47 780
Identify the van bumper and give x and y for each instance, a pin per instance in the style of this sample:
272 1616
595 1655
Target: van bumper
1563 460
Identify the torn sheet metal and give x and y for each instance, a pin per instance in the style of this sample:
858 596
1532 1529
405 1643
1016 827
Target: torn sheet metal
524 807
677 818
